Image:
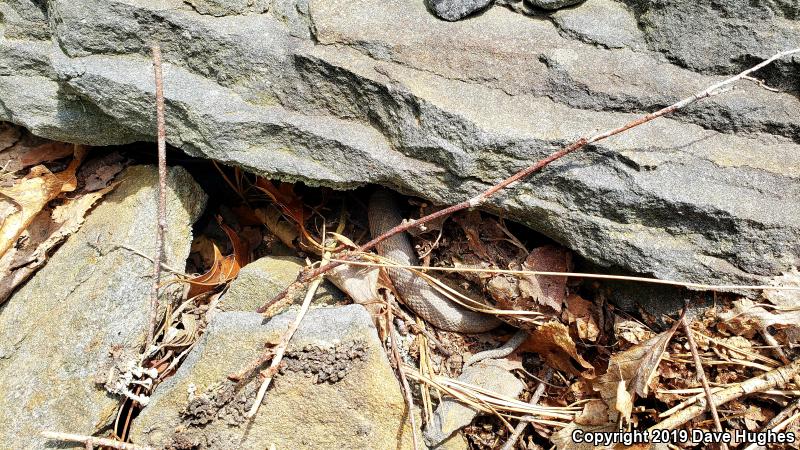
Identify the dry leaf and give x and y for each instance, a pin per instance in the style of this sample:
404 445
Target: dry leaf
624 402
785 299
553 343
30 152
30 195
472 224
595 412
273 219
289 203
9 135
746 319
223 268
635 367
546 290
45 232
581 314
631 331
98 173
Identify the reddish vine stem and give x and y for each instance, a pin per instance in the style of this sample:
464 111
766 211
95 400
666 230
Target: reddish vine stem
476 201
162 194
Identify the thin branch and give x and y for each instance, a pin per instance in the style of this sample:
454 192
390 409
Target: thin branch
91 440
162 193
479 199
776 377
601 276
280 349
512 440
403 380
779 419
701 375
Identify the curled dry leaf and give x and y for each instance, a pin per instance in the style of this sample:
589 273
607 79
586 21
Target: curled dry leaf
553 342
361 284
223 268
273 219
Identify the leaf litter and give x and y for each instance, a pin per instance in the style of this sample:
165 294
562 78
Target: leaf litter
612 370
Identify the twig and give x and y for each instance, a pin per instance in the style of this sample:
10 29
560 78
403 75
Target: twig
280 349
162 193
403 379
163 264
512 440
776 377
91 440
777 420
701 375
479 199
601 276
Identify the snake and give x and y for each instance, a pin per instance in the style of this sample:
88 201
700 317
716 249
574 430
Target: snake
416 293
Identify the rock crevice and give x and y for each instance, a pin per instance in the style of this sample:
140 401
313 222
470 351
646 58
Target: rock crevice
330 93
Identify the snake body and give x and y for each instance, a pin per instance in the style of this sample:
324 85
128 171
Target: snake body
439 311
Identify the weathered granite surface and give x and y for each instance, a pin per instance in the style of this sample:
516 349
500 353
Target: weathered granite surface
344 93
91 299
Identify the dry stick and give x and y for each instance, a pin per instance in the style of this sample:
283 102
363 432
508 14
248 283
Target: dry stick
776 377
599 276
403 379
280 349
777 420
701 375
91 440
512 440
162 193
524 173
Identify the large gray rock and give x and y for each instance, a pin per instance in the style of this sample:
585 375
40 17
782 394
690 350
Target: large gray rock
90 300
337 391
331 93
456 9
553 4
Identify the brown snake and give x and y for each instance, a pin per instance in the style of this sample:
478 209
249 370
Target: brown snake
421 297
417 294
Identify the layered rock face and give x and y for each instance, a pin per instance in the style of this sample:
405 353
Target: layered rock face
345 93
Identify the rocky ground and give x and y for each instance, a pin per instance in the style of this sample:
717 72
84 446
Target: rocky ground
436 100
